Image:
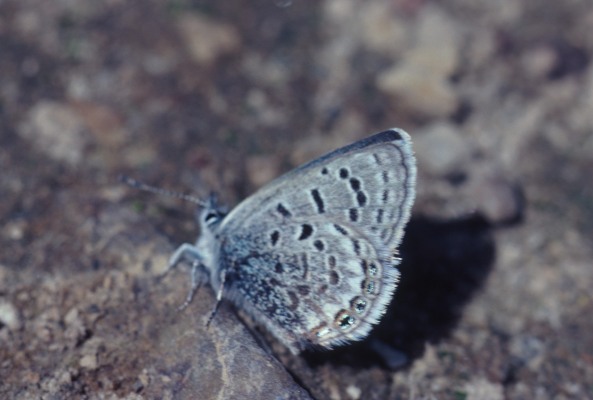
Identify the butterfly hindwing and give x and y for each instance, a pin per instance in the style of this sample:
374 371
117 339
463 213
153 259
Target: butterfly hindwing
324 287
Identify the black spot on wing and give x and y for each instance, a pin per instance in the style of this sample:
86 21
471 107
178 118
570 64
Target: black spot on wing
340 229
318 201
356 247
306 231
283 210
331 260
380 213
353 214
274 237
278 268
334 278
355 184
377 159
361 198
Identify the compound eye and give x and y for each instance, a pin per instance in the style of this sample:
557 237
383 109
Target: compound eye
211 218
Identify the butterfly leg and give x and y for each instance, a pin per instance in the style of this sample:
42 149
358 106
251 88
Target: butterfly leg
218 297
185 251
195 284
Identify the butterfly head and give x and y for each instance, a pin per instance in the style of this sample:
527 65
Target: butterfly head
212 213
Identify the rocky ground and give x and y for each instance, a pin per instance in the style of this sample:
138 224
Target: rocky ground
495 299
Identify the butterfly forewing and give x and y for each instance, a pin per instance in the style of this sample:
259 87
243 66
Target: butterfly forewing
311 254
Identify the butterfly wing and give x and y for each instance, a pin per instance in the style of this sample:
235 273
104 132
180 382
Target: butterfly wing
311 255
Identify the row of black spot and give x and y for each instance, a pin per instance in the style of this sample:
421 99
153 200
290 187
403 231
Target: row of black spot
355 185
306 232
361 198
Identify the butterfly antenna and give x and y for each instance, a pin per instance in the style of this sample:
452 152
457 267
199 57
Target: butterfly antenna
164 192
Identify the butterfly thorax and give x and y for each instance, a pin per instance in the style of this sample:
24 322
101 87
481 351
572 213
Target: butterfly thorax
208 243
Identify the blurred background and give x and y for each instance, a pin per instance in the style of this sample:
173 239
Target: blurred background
197 96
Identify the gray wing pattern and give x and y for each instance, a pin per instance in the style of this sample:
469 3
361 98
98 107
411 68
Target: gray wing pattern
311 254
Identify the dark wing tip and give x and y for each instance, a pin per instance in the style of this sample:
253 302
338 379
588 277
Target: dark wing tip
390 135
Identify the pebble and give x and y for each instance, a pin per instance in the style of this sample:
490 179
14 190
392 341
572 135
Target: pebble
206 39
56 130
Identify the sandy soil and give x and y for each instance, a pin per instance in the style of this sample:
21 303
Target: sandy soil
197 96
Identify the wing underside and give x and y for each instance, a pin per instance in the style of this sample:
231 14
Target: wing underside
311 255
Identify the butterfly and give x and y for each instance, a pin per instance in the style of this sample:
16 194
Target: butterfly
312 256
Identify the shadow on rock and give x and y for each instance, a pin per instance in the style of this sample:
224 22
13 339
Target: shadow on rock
444 264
